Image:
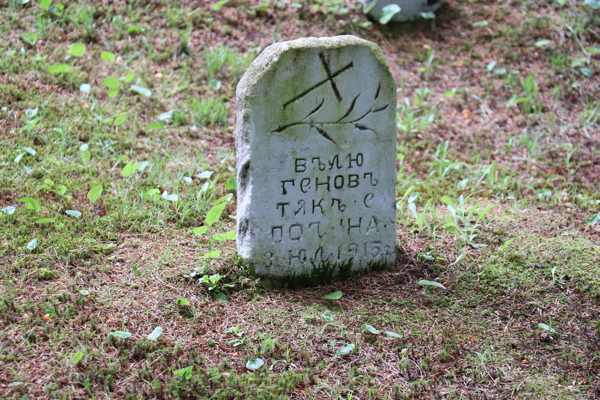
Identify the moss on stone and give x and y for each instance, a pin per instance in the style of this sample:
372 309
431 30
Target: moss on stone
322 274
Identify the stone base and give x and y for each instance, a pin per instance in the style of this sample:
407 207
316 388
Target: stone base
323 274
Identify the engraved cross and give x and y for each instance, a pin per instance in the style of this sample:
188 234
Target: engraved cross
329 79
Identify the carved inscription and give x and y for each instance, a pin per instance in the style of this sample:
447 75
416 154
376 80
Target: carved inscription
311 204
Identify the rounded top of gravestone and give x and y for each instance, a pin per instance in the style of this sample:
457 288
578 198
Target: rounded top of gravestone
272 54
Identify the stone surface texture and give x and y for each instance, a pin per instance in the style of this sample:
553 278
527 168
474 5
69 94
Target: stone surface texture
316 156
409 9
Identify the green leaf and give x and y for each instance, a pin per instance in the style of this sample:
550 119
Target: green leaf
431 283
460 257
32 204
130 168
158 125
185 372
217 6
29 39
371 329
183 302
230 184
170 197
201 230
29 150
108 56
388 12
585 71
255 363
14 384
205 175
345 349
224 236
579 62
44 221
77 49
593 220
44 4
112 92
94 193
131 29
393 334
77 357
129 77
155 333
546 328
480 23
505 244
212 254
32 245
73 213
58 68
327 315
141 90
446 200
334 296
85 88
221 297
85 156
61 189
120 119
214 214
227 197
112 83
8 209
121 334
543 43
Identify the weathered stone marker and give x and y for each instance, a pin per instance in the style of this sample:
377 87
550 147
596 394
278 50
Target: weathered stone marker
316 158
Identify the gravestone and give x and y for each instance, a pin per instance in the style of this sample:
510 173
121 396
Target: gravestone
316 157
409 9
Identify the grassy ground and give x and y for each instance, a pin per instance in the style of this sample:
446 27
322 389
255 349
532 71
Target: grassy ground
112 156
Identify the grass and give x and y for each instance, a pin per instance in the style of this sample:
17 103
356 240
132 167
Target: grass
486 114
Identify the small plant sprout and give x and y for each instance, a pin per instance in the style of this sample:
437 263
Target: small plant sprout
431 283
371 329
546 327
393 335
185 373
255 364
182 302
212 284
60 190
327 316
334 296
345 349
77 357
121 334
94 193
32 204
155 333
